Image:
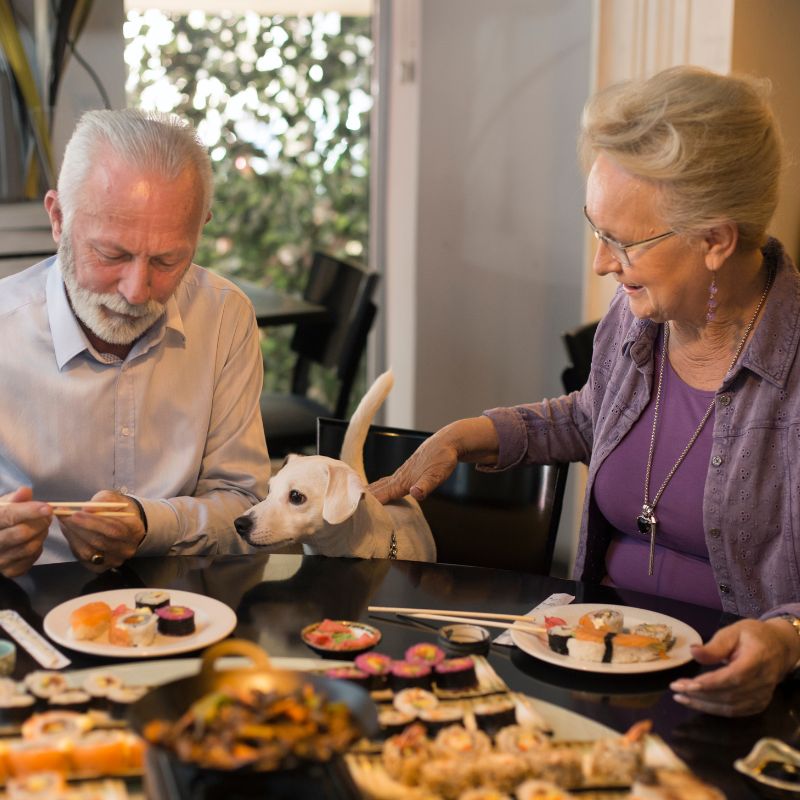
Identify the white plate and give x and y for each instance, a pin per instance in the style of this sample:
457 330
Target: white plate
213 621
678 654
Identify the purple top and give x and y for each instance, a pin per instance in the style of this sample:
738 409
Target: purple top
682 569
751 491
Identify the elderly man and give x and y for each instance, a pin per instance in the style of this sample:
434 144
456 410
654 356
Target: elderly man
130 374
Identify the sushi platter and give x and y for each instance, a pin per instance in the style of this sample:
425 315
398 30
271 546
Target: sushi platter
674 654
184 622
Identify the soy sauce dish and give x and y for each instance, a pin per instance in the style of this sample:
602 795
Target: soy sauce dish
773 767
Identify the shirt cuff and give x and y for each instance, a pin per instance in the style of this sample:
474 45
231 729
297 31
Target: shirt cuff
512 437
161 520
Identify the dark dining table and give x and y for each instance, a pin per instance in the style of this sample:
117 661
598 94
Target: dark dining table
273 307
275 596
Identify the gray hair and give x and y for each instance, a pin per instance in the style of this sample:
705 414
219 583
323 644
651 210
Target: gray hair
153 142
709 143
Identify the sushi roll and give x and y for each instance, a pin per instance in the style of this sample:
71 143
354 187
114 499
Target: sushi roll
404 754
392 721
605 619
55 724
175 620
425 653
655 630
414 700
406 676
501 771
558 637
90 621
590 645
352 674
520 741
435 719
39 786
133 628
561 765
492 715
456 741
98 684
15 708
455 673
121 698
377 666
100 752
446 777
631 648
71 700
26 756
484 793
615 761
151 598
43 684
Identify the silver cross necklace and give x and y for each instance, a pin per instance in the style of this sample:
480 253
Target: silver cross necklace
646 521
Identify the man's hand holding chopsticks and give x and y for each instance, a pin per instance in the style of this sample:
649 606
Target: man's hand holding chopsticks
104 537
23 529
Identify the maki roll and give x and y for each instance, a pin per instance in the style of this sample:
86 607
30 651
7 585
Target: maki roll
43 684
414 700
492 715
100 752
26 756
445 777
605 619
352 674
435 719
655 630
55 725
98 685
501 772
14 708
425 653
456 673
535 789
520 741
406 676
484 793
71 700
377 666
175 620
393 721
558 636
456 741
121 698
151 598
404 754
133 629
33 787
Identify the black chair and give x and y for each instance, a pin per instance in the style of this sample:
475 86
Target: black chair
338 343
579 343
507 520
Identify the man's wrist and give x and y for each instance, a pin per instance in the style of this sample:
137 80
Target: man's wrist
140 508
794 621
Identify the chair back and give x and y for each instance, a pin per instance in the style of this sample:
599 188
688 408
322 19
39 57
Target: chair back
579 343
506 520
345 289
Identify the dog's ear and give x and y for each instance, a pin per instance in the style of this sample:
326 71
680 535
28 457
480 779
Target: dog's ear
342 495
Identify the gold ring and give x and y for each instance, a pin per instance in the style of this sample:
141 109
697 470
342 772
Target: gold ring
97 559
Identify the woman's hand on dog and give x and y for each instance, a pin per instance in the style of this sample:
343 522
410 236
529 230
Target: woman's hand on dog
473 440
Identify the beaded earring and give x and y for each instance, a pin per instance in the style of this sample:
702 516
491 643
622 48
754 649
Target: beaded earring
712 299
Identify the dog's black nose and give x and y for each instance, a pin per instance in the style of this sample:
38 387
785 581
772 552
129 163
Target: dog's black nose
243 525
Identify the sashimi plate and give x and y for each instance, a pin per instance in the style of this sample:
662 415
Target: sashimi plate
678 654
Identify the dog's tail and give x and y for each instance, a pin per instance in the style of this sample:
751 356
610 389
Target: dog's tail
356 434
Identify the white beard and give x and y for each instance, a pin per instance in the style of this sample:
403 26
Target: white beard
92 308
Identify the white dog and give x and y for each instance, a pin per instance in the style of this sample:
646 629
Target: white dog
324 504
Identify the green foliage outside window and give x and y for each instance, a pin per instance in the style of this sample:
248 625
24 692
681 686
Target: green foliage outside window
283 105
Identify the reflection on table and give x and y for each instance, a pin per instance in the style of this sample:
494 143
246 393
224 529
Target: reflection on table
276 596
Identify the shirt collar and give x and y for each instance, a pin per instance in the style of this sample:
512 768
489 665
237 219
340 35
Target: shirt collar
69 340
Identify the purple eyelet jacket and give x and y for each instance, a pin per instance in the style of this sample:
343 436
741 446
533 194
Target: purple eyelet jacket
751 501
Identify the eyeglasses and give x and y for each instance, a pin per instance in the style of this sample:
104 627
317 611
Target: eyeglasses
618 250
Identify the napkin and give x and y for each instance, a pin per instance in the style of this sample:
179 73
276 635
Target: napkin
550 602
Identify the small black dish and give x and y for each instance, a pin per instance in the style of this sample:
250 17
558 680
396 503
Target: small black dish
463 639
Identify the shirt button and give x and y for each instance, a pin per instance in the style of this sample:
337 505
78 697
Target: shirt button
715 532
724 588
123 490
125 430
717 460
725 400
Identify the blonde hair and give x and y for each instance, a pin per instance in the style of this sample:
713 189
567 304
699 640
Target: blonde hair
152 142
708 142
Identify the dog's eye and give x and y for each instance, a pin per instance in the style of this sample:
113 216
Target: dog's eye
296 498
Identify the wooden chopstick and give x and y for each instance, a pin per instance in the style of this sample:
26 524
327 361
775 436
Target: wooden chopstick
68 512
77 504
530 627
474 614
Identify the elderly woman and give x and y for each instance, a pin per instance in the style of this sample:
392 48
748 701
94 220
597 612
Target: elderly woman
690 420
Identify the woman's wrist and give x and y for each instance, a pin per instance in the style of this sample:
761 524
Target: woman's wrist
474 439
788 627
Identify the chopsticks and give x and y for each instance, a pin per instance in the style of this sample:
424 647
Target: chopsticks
65 508
487 619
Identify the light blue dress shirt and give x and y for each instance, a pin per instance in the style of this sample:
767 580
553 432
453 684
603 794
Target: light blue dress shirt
176 424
